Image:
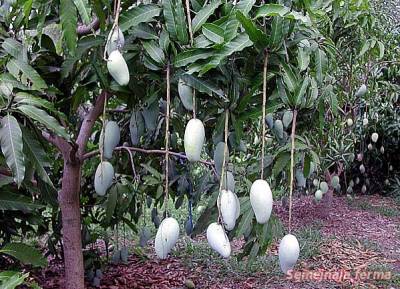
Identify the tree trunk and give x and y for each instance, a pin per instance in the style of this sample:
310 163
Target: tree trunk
71 225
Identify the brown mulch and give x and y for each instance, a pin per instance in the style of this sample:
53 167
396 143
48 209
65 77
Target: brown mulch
350 226
344 221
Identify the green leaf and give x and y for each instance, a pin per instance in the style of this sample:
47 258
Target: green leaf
246 220
84 11
213 32
255 34
381 49
5 180
244 6
69 21
139 14
202 85
181 29
111 203
268 10
231 28
8 79
27 9
12 47
364 48
16 202
36 155
277 32
303 58
202 42
144 31
53 30
169 16
192 55
30 73
320 64
237 44
205 12
26 98
155 52
282 160
300 92
164 40
25 254
12 147
11 279
44 118
288 76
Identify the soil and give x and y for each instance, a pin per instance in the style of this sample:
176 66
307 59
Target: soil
355 237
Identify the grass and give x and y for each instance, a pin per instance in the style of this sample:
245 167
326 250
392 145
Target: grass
195 253
394 281
199 253
381 210
310 240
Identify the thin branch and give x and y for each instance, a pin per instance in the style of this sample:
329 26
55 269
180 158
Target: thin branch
60 143
88 123
145 151
87 29
135 176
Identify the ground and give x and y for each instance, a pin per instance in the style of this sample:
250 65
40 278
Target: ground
357 235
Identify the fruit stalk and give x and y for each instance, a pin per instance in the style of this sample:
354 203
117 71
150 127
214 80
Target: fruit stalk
189 19
223 165
263 112
292 168
167 141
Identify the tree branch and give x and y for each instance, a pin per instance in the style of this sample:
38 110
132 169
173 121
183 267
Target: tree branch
88 123
60 143
87 29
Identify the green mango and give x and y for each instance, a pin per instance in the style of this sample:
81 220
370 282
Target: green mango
118 68
323 186
278 127
219 156
103 178
115 40
287 118
185 94
110 140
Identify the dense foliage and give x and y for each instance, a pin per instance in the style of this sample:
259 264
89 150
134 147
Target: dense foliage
317 55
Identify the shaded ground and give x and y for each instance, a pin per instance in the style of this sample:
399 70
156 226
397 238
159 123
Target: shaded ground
357 235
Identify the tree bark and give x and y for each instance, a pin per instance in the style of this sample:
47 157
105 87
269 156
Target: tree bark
71 225
69 196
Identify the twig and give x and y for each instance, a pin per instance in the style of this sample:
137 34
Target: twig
131 159
146 151
86 29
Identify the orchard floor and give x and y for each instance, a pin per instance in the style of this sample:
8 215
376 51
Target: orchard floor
359 235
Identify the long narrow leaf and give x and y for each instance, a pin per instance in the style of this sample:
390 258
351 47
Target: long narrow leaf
84 10
30 73
202 16
69 19
139 14
44 118
12 147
